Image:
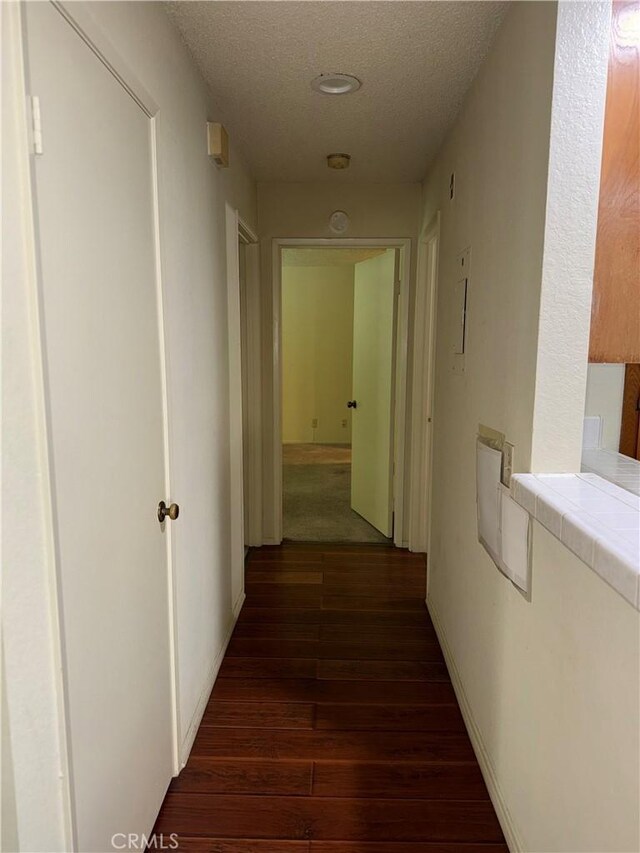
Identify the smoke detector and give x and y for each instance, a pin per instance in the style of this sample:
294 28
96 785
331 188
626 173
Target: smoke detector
339 161
336 84
339 222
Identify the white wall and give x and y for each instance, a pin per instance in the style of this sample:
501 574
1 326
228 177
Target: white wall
8 817
605 387
573 190
299 210
317 353
550 684
33 723
192 196
553 688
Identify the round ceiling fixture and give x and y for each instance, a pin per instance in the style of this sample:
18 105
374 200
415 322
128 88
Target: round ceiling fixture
338 161
336 84
339 221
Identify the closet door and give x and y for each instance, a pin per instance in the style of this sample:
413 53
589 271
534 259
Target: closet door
95 221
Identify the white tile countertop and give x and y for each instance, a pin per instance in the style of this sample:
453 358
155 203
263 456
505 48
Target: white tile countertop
596 519
612 466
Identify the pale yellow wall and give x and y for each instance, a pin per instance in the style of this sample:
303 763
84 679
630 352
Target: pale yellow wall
551 683
317 350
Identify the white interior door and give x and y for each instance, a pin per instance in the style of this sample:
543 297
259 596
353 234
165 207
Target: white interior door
373 368
95 217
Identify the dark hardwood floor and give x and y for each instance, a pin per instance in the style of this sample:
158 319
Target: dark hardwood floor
333 726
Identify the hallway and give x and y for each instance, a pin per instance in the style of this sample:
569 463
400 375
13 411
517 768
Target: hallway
333 726
279 275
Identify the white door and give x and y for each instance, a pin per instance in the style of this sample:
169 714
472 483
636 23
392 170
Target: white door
373 367
95 218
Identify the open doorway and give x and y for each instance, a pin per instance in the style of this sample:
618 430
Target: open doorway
339 319
242 296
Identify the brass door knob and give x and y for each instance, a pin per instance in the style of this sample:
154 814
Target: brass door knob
172 511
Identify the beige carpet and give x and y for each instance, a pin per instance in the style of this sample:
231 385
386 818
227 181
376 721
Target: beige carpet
317 496
316 454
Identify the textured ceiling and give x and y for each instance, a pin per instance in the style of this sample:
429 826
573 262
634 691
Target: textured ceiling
416 61
318 257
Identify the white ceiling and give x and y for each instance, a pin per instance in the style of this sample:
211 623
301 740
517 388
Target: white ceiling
416 60
329 257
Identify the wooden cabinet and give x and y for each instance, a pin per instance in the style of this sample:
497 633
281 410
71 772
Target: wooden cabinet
615 316
630 426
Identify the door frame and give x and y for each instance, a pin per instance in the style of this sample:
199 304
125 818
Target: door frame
237 231
80 19
422 394
400 378
251 322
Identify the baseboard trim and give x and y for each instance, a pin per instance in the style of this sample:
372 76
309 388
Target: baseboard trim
514 842
237 607
194 725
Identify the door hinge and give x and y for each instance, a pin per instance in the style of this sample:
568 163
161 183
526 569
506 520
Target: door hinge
36 125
